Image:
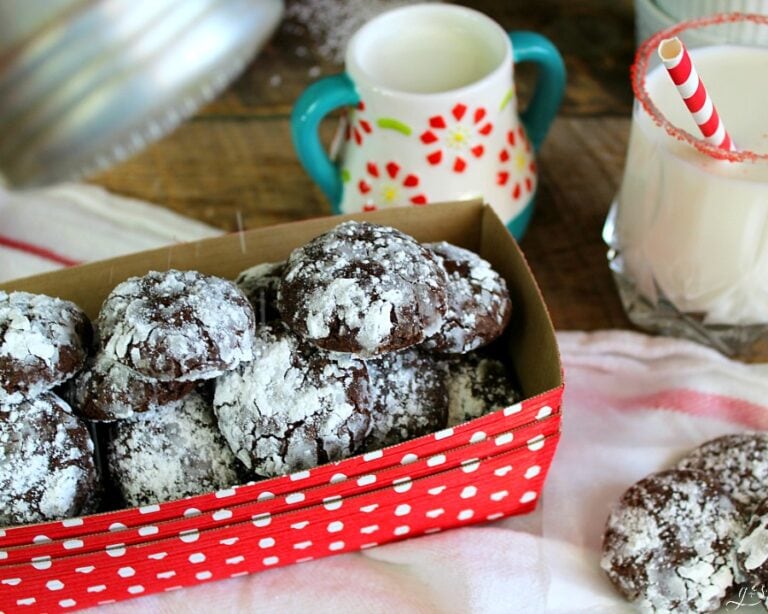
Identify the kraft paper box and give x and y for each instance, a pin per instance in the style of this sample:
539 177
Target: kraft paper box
479 471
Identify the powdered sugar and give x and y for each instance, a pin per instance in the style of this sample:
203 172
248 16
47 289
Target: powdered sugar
292 407
739 462
754 546
60 490
170 452
752 551
363 288
476 386
409 398
668 544
332 22
46 461
177 325
108 391
343 298
477 305
42 343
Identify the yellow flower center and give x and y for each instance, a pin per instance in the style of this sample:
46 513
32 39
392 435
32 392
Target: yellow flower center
458 137
520 161
389 193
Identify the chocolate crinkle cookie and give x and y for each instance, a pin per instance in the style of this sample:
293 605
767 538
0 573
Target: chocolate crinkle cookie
260 284
293 407
177 325
476 385
107 390
364 289
739 462
669 543
46 462
163 455
478 307
408 398
43 342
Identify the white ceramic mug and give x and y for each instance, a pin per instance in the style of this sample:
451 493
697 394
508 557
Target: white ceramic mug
432 114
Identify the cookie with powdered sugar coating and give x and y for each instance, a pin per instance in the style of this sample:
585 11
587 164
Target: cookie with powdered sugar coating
669 543
293 407
476 385
364 289
47 469
169 453
177 325
408 397
43 342
107 390
478 307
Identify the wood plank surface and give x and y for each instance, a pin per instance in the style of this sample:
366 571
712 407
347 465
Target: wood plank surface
232 165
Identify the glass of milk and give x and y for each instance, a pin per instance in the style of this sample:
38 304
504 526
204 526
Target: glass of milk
688 231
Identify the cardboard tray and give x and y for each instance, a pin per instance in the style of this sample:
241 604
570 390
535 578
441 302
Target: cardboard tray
482 470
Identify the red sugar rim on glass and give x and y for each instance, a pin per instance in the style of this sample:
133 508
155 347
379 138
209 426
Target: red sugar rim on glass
639 72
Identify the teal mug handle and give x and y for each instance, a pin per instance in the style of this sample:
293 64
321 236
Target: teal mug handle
543 106
313 105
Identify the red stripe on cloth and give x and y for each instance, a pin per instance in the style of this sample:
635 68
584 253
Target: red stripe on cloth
682 71
703 404
36 250
696 100
709 127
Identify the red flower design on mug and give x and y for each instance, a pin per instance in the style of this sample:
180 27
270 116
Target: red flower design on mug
458 139
388 187
357 126
517 169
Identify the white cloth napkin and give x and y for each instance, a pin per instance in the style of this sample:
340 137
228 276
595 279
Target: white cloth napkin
42 230
633 404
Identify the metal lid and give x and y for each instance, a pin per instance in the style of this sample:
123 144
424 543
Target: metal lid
98 81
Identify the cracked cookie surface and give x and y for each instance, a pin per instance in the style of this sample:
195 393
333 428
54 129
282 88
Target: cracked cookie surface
107 390
408 398
739 462
669 543
477 301
293 407
170 452
363 288
47 470
177 325
43 342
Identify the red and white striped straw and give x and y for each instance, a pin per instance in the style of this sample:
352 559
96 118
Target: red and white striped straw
690 86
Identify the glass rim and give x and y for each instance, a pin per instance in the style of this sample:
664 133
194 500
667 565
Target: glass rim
639 72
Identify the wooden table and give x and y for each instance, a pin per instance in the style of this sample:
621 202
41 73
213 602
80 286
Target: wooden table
234 160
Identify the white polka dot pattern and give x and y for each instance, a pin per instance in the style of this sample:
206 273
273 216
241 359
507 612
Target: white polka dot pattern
482 470
333 503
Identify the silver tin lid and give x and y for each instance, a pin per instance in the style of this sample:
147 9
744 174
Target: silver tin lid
91 83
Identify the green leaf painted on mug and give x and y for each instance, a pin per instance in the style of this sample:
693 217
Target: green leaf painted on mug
507 97
389 123
345 175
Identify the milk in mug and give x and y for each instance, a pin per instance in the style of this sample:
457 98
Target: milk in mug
692 226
